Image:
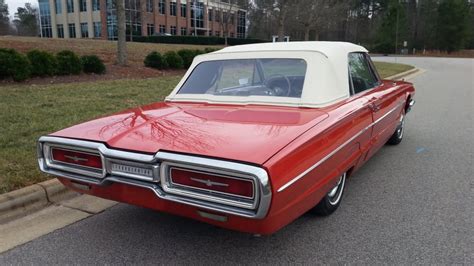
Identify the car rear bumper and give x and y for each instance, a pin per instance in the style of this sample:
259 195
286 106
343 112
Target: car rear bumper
119 190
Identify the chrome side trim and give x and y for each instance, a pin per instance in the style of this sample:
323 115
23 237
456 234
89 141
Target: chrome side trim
298 177
259 176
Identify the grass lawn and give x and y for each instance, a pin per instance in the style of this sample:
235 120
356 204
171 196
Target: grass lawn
390 69
30 111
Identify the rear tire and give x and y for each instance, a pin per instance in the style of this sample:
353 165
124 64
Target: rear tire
333 198
397 136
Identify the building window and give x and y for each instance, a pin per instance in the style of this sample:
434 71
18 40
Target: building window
70 6
162 29
97 29
45 19
173 30
225 17
150 29
149 6
133 17
60 30
184 31
172 8
218 16
209 14
241 24
217 33
72 30
84 30
111 19
183 10
197 14
83 5
95 5
57 5
162 6
232 19
232 35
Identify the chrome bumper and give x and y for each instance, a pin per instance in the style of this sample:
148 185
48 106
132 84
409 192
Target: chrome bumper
258 210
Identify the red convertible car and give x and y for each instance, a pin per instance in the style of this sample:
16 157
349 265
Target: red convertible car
250 139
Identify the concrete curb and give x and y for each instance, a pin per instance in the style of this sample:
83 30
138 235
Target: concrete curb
403 74
29 199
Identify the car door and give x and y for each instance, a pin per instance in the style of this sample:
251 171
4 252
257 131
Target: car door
382 99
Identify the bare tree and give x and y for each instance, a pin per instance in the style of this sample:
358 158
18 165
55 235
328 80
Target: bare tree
225 9
121 34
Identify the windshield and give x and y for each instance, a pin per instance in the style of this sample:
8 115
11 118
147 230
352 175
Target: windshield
247 77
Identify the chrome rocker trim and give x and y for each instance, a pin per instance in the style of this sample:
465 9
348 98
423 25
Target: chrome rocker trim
298 177
160 184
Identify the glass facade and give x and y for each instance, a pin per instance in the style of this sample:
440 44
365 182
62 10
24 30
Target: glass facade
97 29
241 24
133 17
70 6
45 19
111 20
58 6
72 30
197 14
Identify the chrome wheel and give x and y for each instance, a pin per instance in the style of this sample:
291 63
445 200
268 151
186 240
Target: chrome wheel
400 127
334 196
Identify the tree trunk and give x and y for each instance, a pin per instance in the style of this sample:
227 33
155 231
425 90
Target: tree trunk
306 32
121 34
281 25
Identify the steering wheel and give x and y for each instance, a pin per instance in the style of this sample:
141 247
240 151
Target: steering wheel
277 90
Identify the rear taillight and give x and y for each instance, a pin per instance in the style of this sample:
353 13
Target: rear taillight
210 182
77 158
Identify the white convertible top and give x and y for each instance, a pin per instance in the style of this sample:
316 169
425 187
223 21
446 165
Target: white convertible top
326 80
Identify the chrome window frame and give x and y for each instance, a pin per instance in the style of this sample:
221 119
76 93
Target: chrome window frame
263 192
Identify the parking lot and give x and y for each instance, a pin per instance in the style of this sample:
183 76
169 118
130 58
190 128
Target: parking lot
411 203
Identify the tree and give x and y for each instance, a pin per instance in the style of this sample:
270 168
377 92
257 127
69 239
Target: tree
121 34
393 30
26 20
226 8
453 24
4 19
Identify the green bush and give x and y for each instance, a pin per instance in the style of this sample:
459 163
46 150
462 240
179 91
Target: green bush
155 60
68 63
201 40
173 60
14 65
187 55
210 50
92 64
42 63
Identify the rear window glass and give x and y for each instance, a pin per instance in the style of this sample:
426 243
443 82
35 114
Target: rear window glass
247 77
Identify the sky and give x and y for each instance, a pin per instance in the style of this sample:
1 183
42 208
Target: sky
14 4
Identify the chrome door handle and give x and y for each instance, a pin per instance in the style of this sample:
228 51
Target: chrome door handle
374 107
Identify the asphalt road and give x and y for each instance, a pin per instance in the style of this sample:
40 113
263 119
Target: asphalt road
411 203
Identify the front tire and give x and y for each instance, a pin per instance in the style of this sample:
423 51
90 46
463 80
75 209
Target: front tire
397 136
333 198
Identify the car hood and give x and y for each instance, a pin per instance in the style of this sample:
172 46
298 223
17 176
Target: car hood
242 133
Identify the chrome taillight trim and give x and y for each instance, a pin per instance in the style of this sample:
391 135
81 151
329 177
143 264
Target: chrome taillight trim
225 198
47 149
256 210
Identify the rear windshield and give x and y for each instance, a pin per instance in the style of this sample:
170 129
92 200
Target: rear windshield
247 77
